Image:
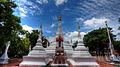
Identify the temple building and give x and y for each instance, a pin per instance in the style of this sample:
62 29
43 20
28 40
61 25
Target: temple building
59 53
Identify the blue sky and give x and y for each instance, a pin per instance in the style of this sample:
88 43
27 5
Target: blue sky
91 14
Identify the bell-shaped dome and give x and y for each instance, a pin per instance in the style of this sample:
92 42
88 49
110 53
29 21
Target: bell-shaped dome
59 39
80 46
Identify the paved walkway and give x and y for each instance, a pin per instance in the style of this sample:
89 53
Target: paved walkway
16 62
105 65
102 62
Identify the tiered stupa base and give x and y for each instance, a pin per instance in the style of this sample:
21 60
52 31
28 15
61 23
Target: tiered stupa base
81 57
36 57
59 65
83 62
32 61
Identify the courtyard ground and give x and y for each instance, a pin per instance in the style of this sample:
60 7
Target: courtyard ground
16 62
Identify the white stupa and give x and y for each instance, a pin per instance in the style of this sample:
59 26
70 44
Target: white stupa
81 56
51 49
68 49
36 57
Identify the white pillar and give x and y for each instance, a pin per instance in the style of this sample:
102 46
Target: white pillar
112 57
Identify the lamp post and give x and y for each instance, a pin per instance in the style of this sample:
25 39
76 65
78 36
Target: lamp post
112 57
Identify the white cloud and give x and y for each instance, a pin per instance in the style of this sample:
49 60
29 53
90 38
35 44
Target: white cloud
48 31
97 8
66 9
22 10
50 39
68 36
59 2
26 7
73 36
94 22
118 37
42 1
78 19
23 15
53 25
54 18
27 28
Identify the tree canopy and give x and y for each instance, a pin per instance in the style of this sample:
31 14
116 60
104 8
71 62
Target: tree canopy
98 39
117 46
10 29
75 44
33 36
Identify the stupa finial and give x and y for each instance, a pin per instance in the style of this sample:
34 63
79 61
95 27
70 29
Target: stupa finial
59 14
59 33
41 30
79 30
41 26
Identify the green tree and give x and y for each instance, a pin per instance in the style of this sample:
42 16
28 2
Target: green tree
3 0
98 39
119 20
45 42
117 46
17 48
75 44
33 36
26 43
10 28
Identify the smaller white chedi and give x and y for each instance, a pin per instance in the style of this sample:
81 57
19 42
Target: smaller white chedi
81 56
36 57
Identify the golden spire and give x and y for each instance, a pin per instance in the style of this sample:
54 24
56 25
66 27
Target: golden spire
59 14
41 26
78 30
59 33
78 27
71 41
41 30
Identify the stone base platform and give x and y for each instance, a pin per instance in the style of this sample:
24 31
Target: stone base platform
59 65
83 59
32 61
83 64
